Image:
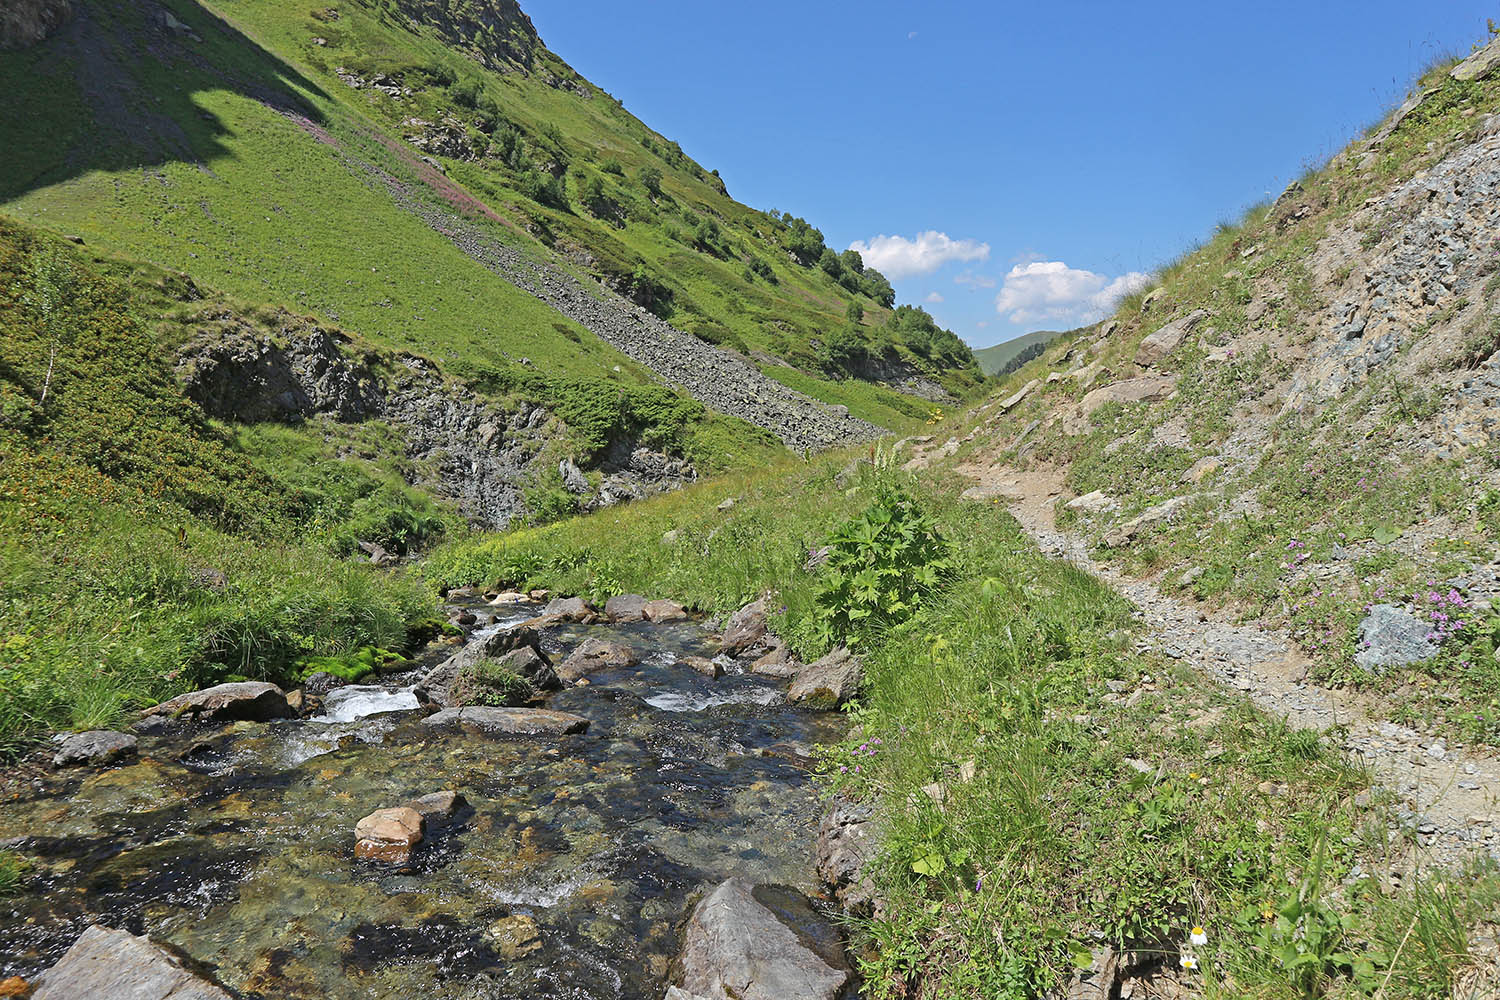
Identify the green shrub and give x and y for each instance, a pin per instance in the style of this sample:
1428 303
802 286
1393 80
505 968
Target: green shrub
490 682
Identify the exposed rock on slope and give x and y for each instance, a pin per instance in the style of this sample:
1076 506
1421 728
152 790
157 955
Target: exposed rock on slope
26 22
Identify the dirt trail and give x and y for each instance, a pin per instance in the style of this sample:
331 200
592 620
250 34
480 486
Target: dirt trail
1448 793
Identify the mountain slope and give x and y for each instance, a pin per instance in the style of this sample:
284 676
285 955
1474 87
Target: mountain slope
1001 358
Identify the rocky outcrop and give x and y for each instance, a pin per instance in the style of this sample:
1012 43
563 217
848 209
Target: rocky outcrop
1164 341
255 701
25 22
478 454
760 942
118 965
508 721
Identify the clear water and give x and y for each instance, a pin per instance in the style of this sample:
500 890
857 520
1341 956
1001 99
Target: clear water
236 844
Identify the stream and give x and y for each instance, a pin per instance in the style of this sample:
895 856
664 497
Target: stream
566 875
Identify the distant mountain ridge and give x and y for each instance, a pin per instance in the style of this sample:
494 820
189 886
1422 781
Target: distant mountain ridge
1001 358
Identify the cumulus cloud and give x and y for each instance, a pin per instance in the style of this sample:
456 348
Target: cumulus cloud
899 257
1050 290
933 297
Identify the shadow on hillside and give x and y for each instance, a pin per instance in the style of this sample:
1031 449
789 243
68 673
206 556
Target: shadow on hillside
136 66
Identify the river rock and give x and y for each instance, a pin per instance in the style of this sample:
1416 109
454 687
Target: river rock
321 682
514 937
593 655
117 965
702 664
778 662
508 721
625 608
746 629
255 701
761 942
95 748
1391 636
519 647
508 597
437 805
847 841
570 609
829 682
662 610
388 834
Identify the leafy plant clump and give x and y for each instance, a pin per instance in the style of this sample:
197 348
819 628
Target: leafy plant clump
490 682
881 566
352 667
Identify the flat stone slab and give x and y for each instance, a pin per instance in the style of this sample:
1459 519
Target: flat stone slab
255 701
509 721
117 965
1391 636
96 748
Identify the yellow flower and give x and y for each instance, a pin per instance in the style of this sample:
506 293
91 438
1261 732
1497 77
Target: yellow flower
1199 936
1188 962
1194 775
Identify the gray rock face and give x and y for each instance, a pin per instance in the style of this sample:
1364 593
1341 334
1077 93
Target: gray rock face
746 629
1479 65
117 965
758 942
95 748
573 479
829 682
593 655
570 609
1167 339
508 721
26 22
256 701
847 841
1391 636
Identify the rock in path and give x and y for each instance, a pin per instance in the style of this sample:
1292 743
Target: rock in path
95 748
255 701
761 942
117 965
509 721
1391 636
829 682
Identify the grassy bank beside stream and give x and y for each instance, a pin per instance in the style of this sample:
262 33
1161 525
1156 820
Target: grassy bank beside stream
1046 792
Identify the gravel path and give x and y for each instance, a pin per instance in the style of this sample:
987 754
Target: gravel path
1447 793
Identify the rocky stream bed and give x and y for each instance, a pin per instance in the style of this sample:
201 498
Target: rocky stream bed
569 863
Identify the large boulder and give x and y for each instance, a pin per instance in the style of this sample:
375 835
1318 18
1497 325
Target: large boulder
1167 339
493 682
593 655
746 629
1391 636
389 834
570 609
256 701
96 748
625 608
847 842
436 686
758 942
508 721
662 610
106 963
829 682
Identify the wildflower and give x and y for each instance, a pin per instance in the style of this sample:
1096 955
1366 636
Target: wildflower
1188 962
979 883
1198 936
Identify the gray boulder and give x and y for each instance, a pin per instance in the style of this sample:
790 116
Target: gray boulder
625 608
847 842
117 965
96 748
746 629
593 655
436 686
760 942
508 721
1167 339
256 701
1391 636
829 682
573 478
570 609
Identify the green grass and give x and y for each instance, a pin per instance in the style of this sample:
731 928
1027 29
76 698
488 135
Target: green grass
1031 812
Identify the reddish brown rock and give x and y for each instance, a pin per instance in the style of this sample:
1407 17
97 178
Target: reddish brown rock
388 834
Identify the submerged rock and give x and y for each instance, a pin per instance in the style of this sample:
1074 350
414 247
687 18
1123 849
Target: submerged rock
388 834
746 629
96 748
593 655
254 701
829 682
760 942
514 937
509 721
437 805
120 966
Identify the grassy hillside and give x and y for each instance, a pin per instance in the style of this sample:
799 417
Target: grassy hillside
277 151
1000 358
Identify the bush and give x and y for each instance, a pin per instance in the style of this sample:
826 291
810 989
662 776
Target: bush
489 682
650 179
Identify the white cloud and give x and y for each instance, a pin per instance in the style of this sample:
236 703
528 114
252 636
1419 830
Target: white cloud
976 280
899 257
933 297
1049 290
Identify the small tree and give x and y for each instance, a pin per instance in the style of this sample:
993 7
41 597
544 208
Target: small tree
650 179
855 313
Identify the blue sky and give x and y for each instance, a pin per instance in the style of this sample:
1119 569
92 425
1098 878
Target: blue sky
1010 166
